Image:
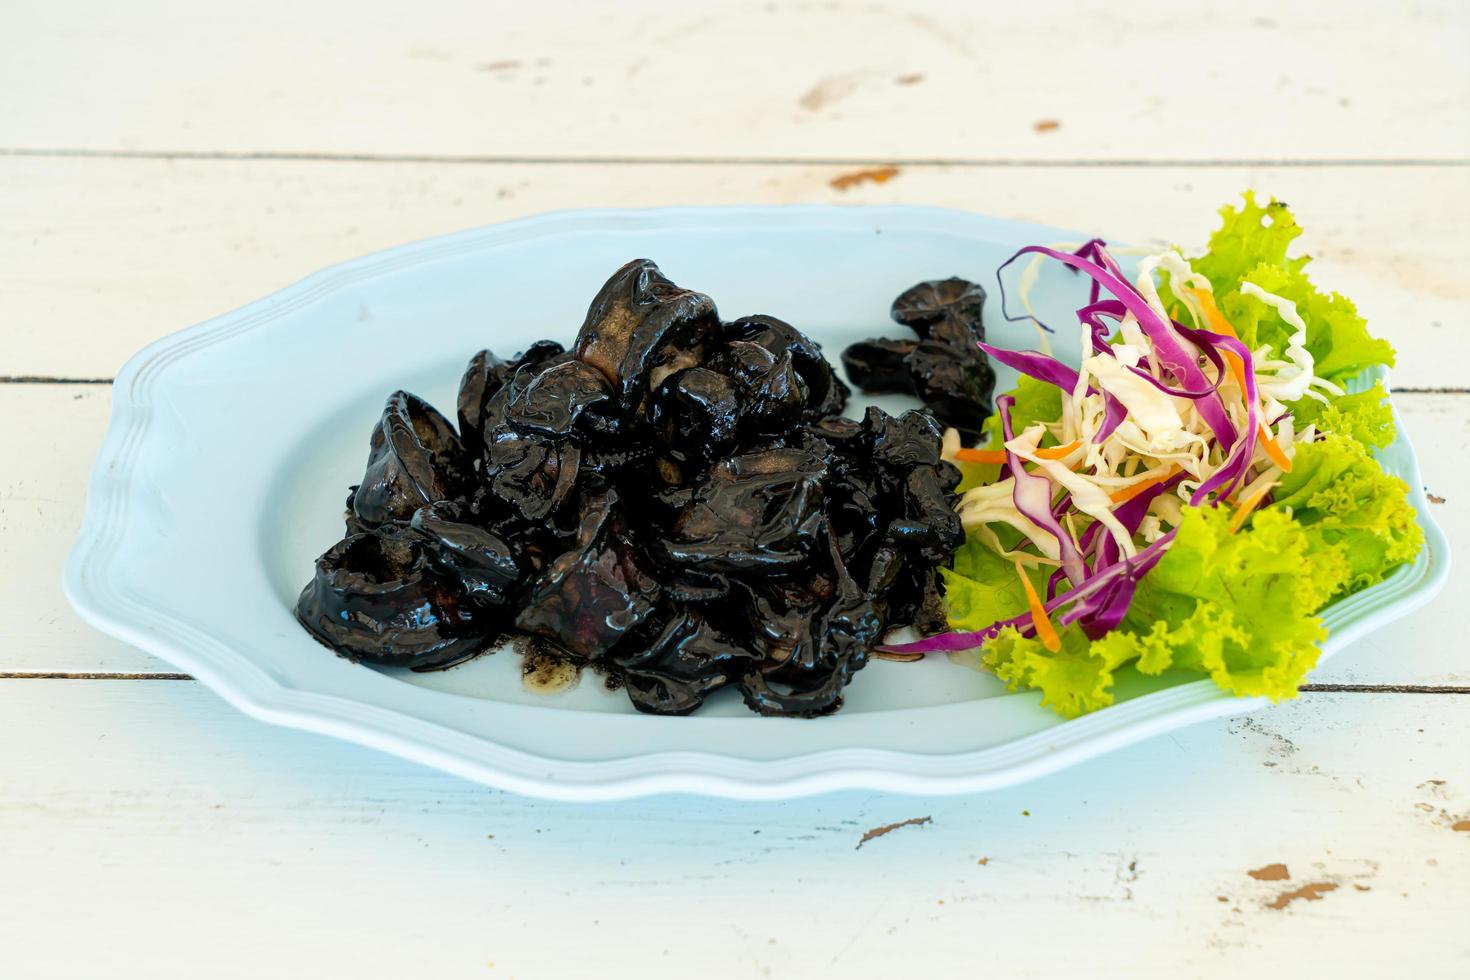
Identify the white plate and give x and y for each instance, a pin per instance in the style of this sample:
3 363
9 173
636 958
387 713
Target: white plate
232 445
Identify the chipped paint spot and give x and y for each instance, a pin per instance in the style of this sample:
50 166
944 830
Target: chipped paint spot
983 861
1271 872
1279 745
1047 125
913 79
1312 891
1461 825
503 65
879 175
833 88
889 828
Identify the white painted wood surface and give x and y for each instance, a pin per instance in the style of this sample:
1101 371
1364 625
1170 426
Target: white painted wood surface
161 162
902 79
182 840
147 247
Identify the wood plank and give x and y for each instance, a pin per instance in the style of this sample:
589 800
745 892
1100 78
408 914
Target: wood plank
153 825
104 256
901 79
53 432
49 446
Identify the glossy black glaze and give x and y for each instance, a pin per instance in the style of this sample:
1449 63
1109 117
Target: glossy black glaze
675 499
379 597
414 458
944 368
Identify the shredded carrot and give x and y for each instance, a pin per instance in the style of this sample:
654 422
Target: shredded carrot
1249 504
1273 449
1045 631
1220 325
997 456
1212 312
1129 492
1058 452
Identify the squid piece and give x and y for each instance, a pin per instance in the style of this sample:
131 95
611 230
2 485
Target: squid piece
945 368
415 459
378 598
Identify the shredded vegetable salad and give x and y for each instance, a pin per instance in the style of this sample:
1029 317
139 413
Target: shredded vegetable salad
1192 493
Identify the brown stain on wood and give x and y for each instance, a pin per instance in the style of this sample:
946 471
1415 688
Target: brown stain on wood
889 828
1271 872
877 175
1312 891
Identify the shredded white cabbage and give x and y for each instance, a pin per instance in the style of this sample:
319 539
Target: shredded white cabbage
1162 436
1289 380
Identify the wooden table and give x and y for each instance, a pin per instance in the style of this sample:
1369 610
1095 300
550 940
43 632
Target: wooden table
161 162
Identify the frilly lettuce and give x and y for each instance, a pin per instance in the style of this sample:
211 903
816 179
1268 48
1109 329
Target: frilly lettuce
1251 245
1073 681
1239 608
1349 506
1365 416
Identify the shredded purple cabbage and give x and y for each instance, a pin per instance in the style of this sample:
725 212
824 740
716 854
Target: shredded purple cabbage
1044 367
1092 597
1032 496
1228 477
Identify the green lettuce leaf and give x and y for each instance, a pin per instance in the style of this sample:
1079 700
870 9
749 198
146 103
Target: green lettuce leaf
983 587
1349 506
1251 244
1337 335
1248 237
1365 416
1239 608
1076 679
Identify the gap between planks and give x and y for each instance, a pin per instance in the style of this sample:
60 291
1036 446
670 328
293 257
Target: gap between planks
66 675
62 675
31 379
304 156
